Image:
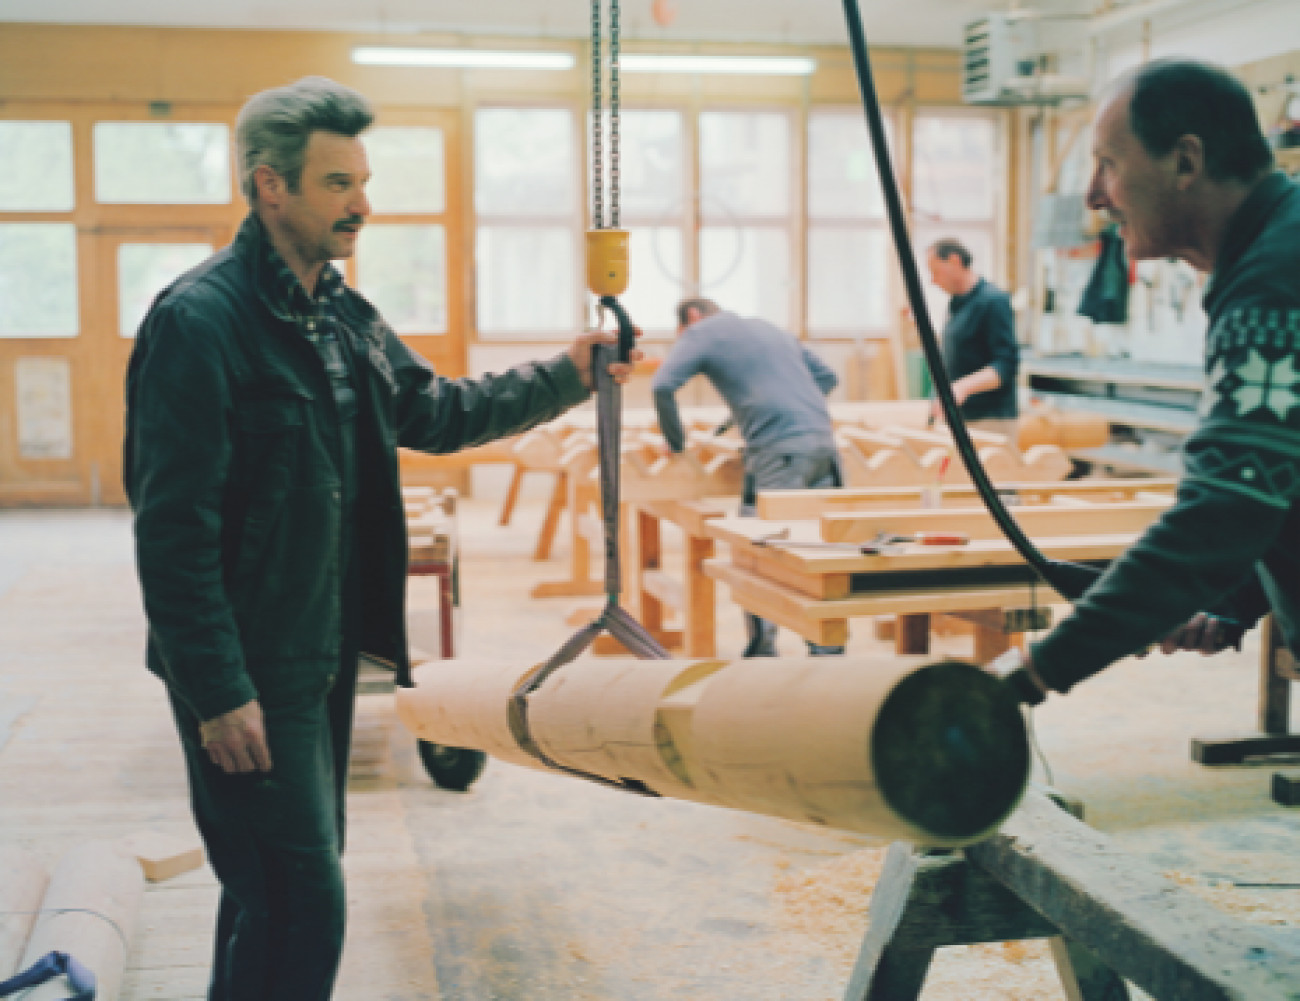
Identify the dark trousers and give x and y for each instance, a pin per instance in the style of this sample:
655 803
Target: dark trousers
777 470
275 840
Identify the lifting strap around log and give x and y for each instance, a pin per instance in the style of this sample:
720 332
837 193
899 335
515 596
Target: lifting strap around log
613 619
607 278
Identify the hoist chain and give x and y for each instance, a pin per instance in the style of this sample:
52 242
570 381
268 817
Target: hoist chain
597 124
597 150
613 113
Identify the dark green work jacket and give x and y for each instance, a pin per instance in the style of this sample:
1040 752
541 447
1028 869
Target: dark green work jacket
231 459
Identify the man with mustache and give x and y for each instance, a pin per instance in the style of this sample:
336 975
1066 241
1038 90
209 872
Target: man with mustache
265 403
1184 169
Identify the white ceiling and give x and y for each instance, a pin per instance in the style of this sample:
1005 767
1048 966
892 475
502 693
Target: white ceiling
887 22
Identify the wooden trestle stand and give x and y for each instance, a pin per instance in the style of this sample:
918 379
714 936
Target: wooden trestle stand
1109 918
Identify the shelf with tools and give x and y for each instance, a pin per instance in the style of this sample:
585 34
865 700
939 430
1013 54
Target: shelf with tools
1151 407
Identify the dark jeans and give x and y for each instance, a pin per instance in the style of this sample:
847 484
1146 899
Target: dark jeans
274 840
805 470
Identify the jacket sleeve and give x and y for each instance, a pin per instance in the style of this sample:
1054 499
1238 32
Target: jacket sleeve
1242 479
1000 329
178 456
683 362
440 415
822 373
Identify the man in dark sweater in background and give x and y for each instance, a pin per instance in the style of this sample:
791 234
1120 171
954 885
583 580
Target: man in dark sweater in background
1183 167
775 388
980 352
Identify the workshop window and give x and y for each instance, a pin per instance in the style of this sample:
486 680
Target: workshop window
958 170
654 210
408 170
401 263
38 279
36 167
525 198
746 162
402 269
144 270
849 256
162 163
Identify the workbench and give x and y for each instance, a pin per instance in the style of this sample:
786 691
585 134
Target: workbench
653 591
816 591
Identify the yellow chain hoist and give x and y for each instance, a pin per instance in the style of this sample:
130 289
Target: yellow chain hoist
607 248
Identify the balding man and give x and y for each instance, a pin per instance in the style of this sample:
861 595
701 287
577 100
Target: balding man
775 389
1183 168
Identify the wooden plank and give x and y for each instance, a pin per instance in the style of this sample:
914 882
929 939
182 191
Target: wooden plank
877 602
667 590
782 505
741 533
1036 520
162 856
783 607
764 562
1151 931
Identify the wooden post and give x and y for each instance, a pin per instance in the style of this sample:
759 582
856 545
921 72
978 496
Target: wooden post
1274 687
559 496
700 612
912 634
512 496
650 557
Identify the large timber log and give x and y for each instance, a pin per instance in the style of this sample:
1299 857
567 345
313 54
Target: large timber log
934 753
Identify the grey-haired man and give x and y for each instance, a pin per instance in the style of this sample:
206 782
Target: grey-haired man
265 403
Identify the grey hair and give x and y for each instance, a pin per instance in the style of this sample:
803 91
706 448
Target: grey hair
273 128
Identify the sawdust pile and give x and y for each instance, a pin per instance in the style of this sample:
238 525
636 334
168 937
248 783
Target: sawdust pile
827 903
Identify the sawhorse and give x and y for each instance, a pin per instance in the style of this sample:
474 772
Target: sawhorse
1109 918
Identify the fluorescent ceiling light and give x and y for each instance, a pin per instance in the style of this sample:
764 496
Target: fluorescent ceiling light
464 58
745 65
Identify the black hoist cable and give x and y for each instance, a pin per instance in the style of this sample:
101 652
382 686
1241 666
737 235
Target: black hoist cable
1070 580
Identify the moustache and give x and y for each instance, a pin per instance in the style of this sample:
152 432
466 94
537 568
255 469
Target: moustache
352 222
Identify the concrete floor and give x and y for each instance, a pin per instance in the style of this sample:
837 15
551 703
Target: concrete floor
539 887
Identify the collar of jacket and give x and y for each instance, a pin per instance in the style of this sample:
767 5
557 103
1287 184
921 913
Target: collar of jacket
253 247
1245 226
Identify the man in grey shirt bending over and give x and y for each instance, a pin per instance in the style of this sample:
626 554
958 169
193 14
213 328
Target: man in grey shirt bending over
775 389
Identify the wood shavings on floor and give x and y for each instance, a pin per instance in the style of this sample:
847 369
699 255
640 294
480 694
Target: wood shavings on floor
828 902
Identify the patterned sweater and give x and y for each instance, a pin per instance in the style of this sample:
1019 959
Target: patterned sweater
1233 535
